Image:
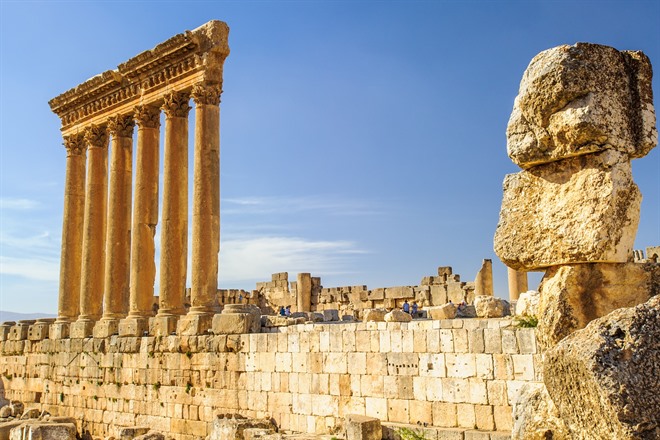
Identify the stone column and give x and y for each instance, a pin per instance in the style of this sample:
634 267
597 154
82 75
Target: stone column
483 282
174 232
118 234
72 232
517 283
206 208
145 219
304 292
93 257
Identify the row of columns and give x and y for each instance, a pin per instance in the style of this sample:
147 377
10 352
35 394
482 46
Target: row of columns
108 267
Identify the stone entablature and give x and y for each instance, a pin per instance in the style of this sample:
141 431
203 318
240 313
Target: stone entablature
458 374
177 64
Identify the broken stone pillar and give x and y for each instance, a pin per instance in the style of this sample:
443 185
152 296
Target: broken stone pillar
72 232
206 199
118 235
483 282
93 259
145 219
174 232
304 292
517 283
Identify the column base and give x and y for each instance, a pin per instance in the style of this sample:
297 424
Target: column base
5 329
106 328
163 325
193 325
231 323
59 330
40 329
19 332
134 326
82 329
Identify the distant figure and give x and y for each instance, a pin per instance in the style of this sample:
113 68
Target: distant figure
406 306
240 297
282 311
287 311
414 309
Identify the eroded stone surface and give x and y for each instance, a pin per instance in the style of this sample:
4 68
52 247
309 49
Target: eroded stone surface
528 304
572 296
397 315
580 99
447 311
605 378
535 416
580 210
487 306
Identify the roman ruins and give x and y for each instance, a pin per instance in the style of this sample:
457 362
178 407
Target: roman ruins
202 362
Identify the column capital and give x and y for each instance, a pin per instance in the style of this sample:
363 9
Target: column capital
177 104
147 116
206 93
97 136
121 125
75 144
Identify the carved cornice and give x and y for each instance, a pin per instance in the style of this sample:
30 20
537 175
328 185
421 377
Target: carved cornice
180 60
121 125
147 116
176 104
75 144
97 136
206 94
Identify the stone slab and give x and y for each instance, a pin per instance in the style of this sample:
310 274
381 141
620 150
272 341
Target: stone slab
134 326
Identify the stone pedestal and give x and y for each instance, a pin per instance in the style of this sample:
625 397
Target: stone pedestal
19 331
163 325
106 328
134 326
194 324
40 329
59 330
82 328
5 329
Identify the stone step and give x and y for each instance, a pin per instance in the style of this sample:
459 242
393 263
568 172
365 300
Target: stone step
391 432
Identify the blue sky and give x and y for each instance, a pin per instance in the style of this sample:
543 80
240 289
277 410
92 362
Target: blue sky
362 141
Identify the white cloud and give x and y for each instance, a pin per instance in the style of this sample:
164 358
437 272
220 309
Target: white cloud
42 269
270 205
18 204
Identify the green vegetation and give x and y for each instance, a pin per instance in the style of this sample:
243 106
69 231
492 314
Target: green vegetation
411 434
527 321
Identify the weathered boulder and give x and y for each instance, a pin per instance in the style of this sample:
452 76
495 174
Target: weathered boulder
6 428
231 426
487 306
581 99
605 378
151 435
5 412
535 416
445 311
35 430
571 296
397 315
528 303
466 311
374 315
32 413
331 315
360 427
130 432
17 408
581 210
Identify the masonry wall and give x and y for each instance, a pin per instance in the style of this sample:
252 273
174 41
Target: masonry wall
448 373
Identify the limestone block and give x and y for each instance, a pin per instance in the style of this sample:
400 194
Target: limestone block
163 325
151 435
256 433
466 311
374 315
438 295
40 329
528 303
7 426
604 378
535 416
579 210
362 427
17 408
455 292
376 294
232 426
581 99
234 323
447 311
397 315
444 272
44 431
106 328
5 329
19 331
573 295
487 306
134 326
128 433
331 315
193 324
5 412
59 330
399 292
32 413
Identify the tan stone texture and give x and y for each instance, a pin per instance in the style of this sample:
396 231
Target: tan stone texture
397 315
580 210
145 214
174 232
487 306
447 311
375 315
528 304
304 292
517 283
580 99
571 296
118 236
535 416
604 378
483 282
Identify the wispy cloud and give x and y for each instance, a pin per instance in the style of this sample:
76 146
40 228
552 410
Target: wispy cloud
42 269
18 204
281 204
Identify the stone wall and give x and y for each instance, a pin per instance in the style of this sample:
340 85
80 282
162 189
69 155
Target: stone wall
307 377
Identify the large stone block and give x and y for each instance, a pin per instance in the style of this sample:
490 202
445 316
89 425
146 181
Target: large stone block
487 306
231 426
44 431
580 99
535 416
374 315
397 315
572 296
447 311
231 323
580 210
604 378
363 428
528 303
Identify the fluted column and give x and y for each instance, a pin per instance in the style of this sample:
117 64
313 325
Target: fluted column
517 283
174 225
145 212
93 249
72 232
206 199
